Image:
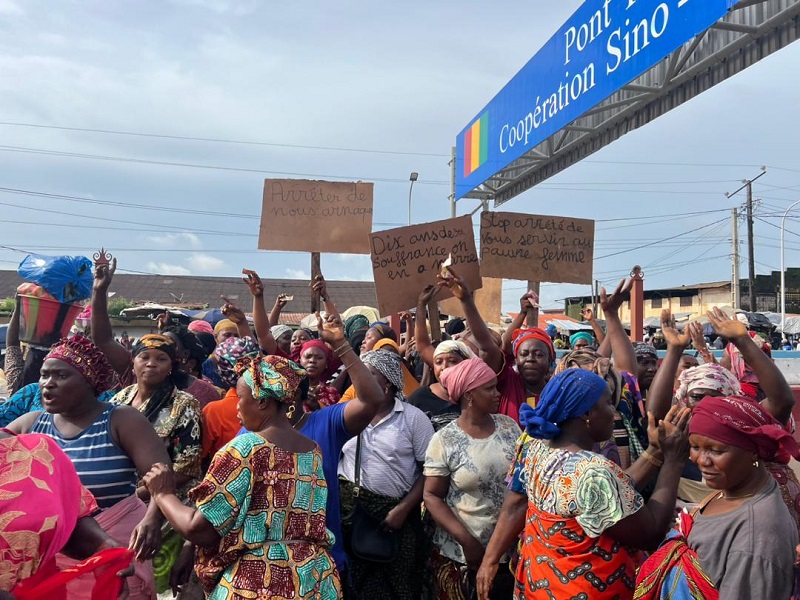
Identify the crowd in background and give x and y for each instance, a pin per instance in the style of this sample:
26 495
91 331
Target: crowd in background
356 461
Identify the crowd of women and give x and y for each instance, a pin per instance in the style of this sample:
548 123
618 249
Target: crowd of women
353 462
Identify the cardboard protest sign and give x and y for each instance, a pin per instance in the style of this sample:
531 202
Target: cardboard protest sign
488 300
537 248
406 259
316 216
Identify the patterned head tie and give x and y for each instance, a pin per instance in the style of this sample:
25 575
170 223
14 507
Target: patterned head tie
273 377
82 355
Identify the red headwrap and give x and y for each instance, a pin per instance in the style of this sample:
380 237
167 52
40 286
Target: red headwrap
745 424
465 376
326 350
81 354
532 333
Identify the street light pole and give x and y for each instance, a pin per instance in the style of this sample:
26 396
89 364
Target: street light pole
412 178
783 271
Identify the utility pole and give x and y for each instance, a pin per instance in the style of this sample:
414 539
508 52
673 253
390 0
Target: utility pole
751 259
735 258
751 276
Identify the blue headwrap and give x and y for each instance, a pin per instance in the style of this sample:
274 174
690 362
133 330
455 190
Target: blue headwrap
567 395
551 330
581 335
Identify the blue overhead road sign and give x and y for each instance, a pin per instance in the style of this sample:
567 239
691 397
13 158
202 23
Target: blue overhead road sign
604 46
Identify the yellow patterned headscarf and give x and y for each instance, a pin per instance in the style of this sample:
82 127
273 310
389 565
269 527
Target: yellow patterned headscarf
155 341
271 377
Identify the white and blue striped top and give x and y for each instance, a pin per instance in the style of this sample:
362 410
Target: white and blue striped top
103 467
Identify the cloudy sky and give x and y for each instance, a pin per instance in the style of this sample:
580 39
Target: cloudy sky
357 90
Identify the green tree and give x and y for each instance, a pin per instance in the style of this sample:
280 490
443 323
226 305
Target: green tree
7 306
117 305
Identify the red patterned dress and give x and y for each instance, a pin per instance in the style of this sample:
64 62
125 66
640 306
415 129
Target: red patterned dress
268 505
573 498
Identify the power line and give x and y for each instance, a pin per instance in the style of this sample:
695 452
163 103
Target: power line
141 206
218 140
660 241
142 161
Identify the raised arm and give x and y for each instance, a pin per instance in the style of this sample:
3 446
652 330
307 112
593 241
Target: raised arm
261 323
424 346
407 318
236 314
699 342
13 363
779 400
492 354
359 412
320 286
588 315
646 528
516 323
659 396
102 332
275 313
621 348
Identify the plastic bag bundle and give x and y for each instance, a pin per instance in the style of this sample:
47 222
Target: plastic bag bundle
68 278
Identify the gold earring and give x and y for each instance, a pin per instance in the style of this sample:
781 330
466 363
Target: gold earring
755 463
470 403
588 423
290 412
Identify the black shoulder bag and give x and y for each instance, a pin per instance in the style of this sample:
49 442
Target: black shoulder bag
369 540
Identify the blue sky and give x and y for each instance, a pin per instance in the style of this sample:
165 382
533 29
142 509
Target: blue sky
360 90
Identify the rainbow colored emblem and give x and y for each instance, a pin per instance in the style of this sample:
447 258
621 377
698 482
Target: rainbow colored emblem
476 144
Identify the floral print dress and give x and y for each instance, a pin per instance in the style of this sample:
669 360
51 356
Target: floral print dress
573 499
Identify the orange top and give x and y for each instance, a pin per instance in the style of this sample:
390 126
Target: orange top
220 423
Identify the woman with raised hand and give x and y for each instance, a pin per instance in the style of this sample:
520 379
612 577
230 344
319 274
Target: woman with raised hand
739 542
630 439
584 515
433 399
465 468
333 426
534 354
259 521
713 380
108 445
390 472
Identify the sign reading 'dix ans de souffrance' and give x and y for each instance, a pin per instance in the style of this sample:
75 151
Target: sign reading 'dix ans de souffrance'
406 259
536 247
603 47
316 216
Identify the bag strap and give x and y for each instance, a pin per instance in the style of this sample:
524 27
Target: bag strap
357 473
705 502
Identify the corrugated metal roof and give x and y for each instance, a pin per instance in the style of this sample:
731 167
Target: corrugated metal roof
175 289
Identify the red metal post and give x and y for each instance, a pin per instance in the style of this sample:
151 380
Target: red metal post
394 323
637 304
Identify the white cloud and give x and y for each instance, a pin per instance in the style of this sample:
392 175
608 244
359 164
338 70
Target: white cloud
175 240
199 261
163 268
297 274
7 7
